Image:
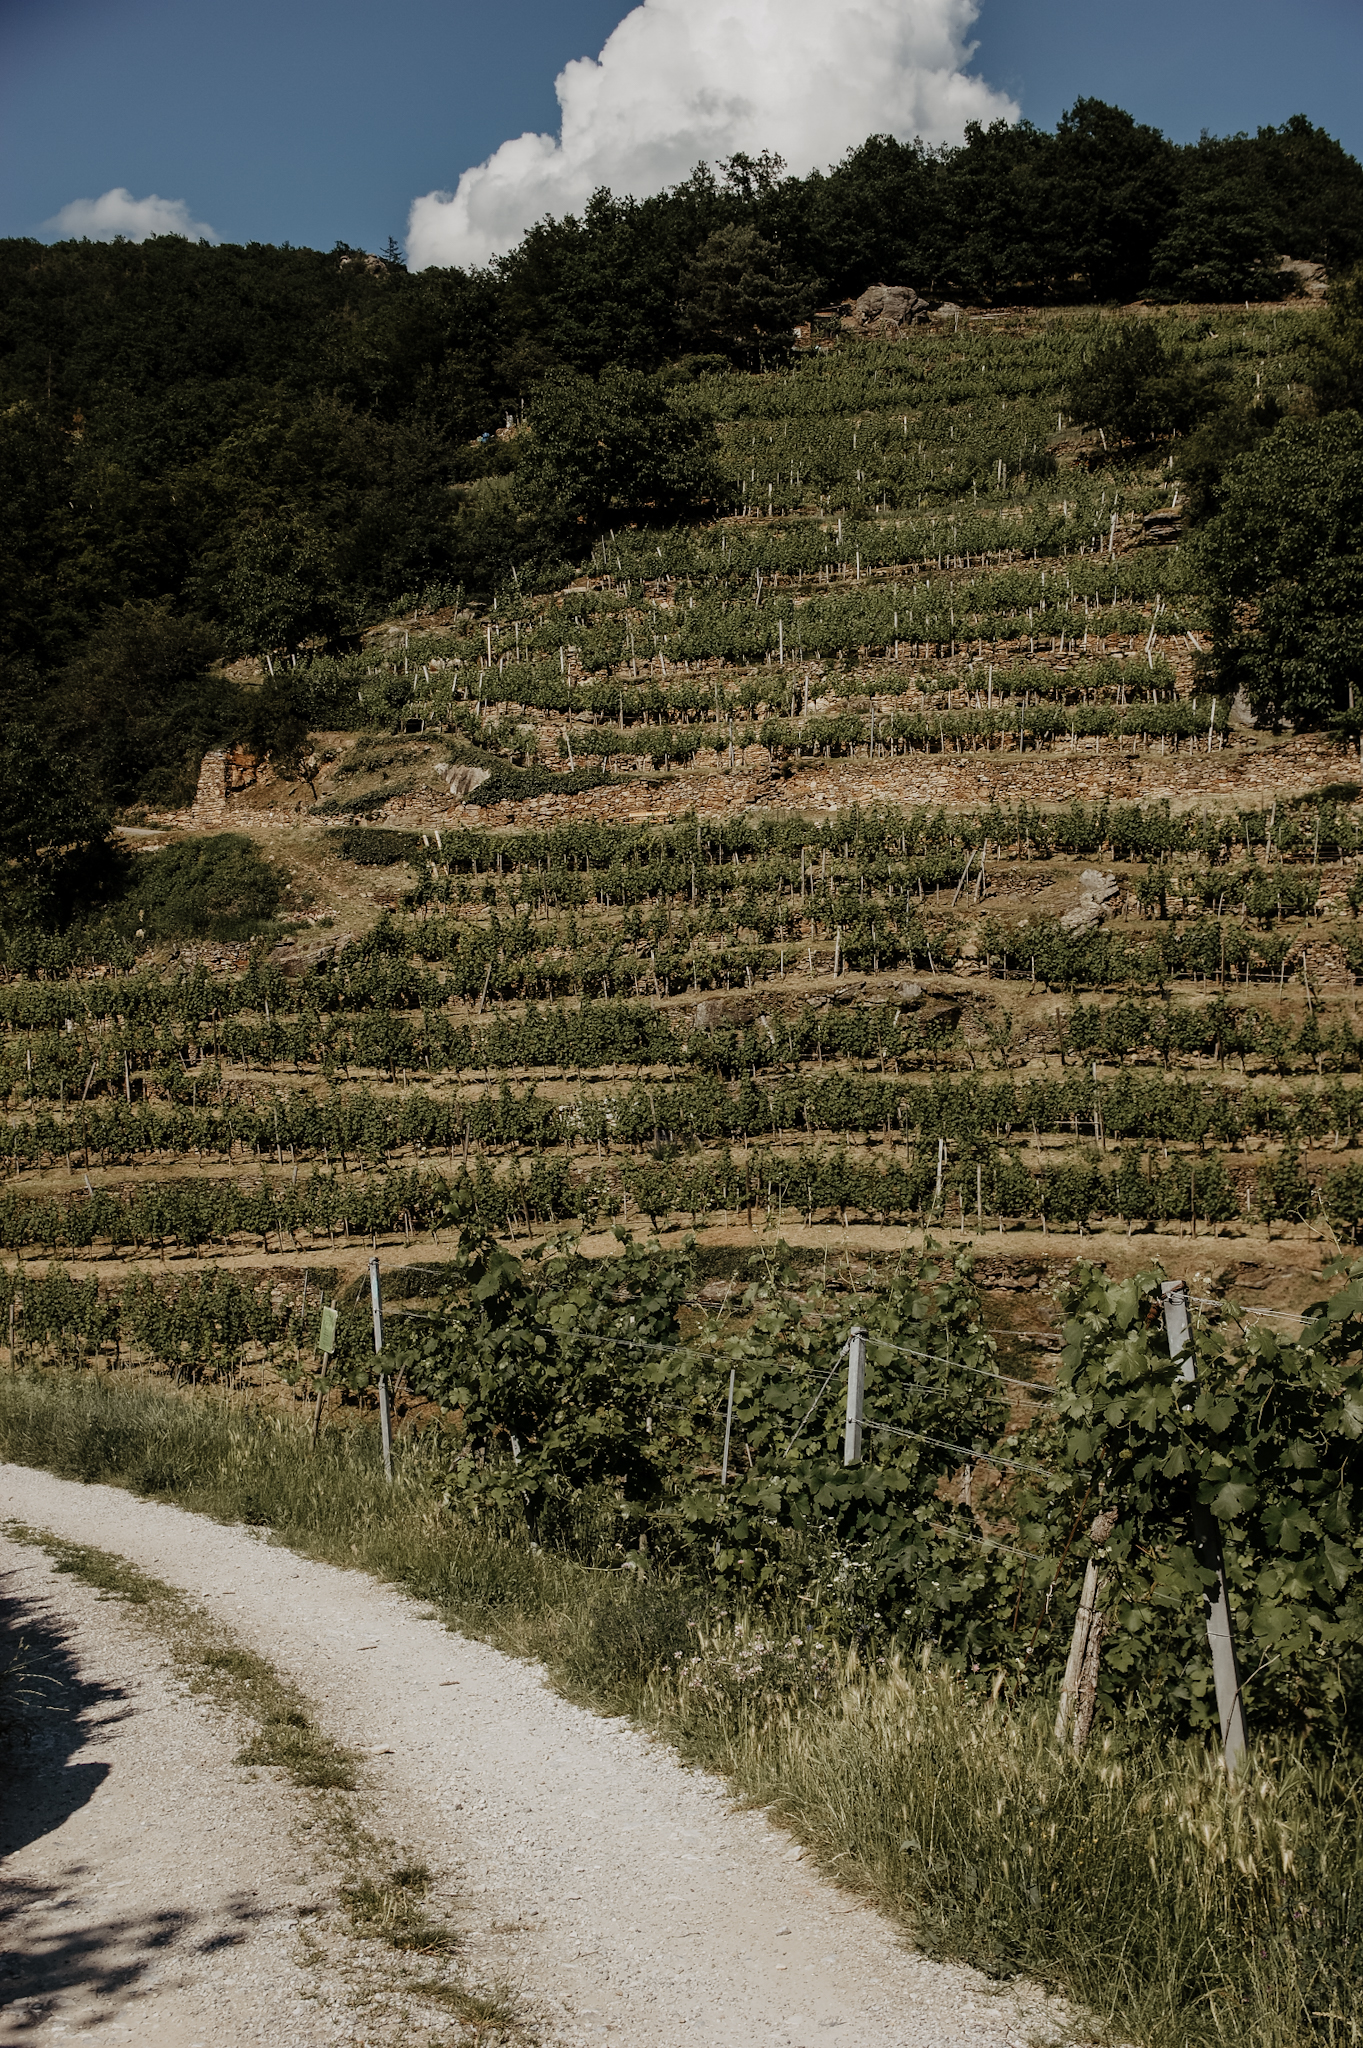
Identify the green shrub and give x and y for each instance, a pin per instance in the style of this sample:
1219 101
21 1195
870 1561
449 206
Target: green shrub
216 888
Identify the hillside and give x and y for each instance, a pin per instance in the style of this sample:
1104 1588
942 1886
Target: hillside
281 443
898 767
686 826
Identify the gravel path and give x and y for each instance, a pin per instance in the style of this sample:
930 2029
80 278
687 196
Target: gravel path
150 1889
619 1891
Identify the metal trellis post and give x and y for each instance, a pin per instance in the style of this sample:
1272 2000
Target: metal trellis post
1207 1539
728 1428
376 1302
856 1391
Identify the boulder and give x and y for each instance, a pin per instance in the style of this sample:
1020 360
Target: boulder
884 310
1159 528
242 766
1306 277
1098 891
295 961
726 1012
462 780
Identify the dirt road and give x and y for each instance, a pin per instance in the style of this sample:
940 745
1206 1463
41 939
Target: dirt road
620 1893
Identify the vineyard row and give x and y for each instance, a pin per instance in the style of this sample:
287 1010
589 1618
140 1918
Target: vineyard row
84 1064
359 1126
879 620
583 861
1010 687
991 1186
1195 721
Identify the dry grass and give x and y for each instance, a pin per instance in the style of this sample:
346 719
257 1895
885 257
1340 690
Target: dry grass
1177 1906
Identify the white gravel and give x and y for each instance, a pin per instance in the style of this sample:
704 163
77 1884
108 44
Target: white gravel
620 1892
151 1890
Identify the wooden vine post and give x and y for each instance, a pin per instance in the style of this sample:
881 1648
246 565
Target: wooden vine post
326 1345
1207 1542
1079 1686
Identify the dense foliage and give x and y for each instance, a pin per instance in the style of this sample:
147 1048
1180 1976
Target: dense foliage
587 1405
582 1411
218 887
1284 556
613 447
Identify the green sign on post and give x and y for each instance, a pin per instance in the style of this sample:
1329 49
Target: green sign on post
326 1335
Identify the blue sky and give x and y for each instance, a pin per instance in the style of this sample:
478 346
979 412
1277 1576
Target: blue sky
310 123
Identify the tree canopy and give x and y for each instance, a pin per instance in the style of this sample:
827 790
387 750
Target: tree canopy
615 445
738 296
1136 387
56 852
1284 563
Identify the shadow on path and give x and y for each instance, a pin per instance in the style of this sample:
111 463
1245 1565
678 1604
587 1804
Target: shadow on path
56 1944
44 1704
99 1959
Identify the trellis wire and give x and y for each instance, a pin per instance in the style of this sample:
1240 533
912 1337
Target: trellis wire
980 1371
1288 1315
817 1398
940 1444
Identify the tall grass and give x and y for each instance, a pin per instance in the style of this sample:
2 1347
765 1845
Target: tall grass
1176 1905
1177 1908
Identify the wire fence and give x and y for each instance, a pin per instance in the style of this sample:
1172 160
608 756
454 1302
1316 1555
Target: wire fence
1240 1310
855 1419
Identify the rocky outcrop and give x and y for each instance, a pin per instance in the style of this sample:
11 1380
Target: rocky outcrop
296 959
1158 529
459 781
243 769
885 311
1308 277
1099 890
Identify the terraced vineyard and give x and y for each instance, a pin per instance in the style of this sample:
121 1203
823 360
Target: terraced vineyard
746 886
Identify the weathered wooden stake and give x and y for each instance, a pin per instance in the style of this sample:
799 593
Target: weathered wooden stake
1079 1686
1074 1664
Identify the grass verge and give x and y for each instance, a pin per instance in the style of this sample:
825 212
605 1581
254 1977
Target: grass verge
1178 1909
379 1903
280 1729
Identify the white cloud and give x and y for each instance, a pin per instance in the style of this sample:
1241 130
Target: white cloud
116 212
681 81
